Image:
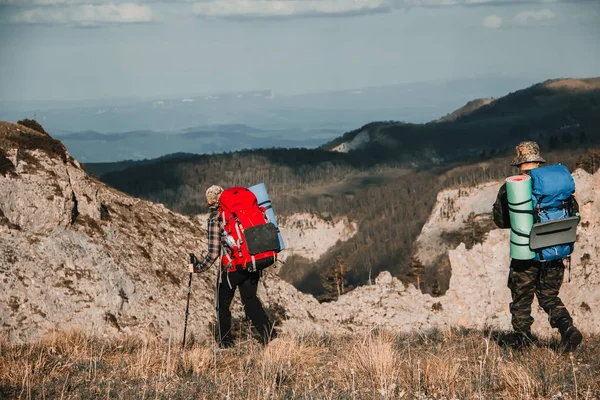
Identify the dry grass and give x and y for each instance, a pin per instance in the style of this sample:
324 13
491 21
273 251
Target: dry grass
457 364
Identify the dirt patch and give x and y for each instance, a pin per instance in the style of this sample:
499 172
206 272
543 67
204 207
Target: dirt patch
45 143
6 166
91 225
4 221
78 273
33 240
276 314
167 276
104 212
14 303
32 124
111 319
26 139
144 252
75 210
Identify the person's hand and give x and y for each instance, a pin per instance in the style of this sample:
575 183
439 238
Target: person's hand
191 268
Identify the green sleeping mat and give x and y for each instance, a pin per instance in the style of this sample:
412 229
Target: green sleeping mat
520 206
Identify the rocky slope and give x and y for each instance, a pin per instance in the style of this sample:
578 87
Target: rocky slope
77 253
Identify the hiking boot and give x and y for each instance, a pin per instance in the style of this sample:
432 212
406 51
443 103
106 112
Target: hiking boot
571 338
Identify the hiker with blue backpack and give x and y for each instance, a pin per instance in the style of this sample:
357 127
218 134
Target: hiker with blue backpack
240 232
542 213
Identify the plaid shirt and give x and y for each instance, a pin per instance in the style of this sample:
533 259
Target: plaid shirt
215 232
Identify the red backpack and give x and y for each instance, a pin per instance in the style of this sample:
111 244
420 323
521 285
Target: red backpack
250 240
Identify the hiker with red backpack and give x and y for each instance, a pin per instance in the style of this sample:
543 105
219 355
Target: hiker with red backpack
550 201
240 233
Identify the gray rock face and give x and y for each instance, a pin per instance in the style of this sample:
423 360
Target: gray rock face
76 253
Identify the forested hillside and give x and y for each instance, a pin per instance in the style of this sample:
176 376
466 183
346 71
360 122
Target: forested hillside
553 113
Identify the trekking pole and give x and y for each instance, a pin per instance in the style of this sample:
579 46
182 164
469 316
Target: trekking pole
187 307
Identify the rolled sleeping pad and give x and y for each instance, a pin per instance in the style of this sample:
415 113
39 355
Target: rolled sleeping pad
520 206
260 191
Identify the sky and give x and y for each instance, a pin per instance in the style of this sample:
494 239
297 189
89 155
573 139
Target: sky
69 50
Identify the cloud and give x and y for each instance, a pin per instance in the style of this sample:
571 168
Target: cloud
524 17
350 3
96 12
234 9
33 3
475 3
85 14
492 22
427 3
240 9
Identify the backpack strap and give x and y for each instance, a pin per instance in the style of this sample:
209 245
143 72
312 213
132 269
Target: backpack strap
262 205
264 211
239 233
512 209
521 235
521 203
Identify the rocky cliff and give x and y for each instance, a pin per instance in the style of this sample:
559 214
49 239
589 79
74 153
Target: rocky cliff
477 296
77 253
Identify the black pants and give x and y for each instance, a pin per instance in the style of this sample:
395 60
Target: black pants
248 284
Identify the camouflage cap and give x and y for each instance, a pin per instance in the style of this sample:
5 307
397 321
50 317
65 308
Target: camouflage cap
527 152
213 195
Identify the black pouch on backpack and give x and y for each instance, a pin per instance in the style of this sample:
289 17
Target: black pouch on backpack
262 238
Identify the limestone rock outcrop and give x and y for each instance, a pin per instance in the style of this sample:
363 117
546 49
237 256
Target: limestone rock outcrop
478 296
77 253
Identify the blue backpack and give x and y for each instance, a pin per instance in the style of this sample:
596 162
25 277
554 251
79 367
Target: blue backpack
552 190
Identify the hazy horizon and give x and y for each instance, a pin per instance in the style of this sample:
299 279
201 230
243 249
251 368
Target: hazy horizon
92 50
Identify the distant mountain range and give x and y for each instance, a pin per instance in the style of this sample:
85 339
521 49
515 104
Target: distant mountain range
92 146
414 102
121 129
557 113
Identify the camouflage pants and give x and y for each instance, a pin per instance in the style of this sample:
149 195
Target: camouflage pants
527 278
